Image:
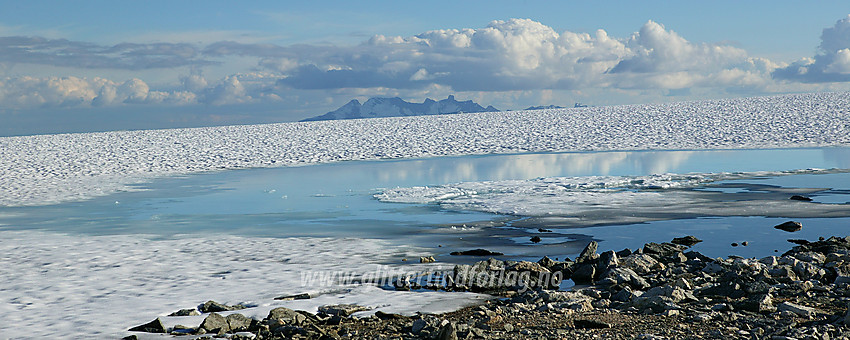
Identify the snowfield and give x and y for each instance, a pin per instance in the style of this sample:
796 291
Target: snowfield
46 169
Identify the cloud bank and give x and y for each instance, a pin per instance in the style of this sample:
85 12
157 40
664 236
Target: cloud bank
831 64
506 55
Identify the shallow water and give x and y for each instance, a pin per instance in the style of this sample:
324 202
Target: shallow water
335 200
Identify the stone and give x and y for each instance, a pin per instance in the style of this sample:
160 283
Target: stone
509 328
536 239
797 309
607 260
302 296
238 322
427 259
588 253
662 250
617 276
801 198
447 332
389 316
476 252
725 289
590 324
547 262
212 306
641 263
584 273
790 226
215 323
185 312
847 317
281 316
342 309
687 241
841 279
810 256
675 294
762 303
624 295
418 326
526 266
154 326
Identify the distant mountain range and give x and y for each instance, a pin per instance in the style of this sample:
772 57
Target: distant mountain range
396 107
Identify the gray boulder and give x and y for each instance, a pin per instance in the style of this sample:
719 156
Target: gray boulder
154 326
215 323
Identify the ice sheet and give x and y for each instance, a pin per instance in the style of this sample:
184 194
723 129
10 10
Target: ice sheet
36 170
623 199
98 287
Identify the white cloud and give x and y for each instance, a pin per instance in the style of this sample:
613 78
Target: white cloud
840 63
516 54
831 64
32 92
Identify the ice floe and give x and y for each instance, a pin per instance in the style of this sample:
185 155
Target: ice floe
617 199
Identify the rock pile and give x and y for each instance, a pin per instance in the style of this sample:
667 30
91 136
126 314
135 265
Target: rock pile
659 291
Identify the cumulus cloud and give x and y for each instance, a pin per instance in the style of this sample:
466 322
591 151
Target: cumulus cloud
830 64
29 92
515 54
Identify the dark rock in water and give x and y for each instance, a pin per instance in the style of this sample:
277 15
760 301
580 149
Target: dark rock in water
544 230
212 306
536 239
745 243
302 296
215 323
790 226
734 244
801 198
185 312
687 241
341 310
662 250
799 241
389 316
590 324
476 252
130 337
154 326
589 253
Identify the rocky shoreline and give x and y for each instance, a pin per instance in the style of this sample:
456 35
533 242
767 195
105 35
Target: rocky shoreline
661 291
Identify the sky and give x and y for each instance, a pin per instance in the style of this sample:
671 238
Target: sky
70 66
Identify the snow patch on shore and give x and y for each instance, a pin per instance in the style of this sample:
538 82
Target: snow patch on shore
47 169
99 286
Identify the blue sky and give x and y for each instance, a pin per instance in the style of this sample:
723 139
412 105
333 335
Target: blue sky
89 65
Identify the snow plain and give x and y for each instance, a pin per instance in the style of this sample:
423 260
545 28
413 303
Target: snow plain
45 169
